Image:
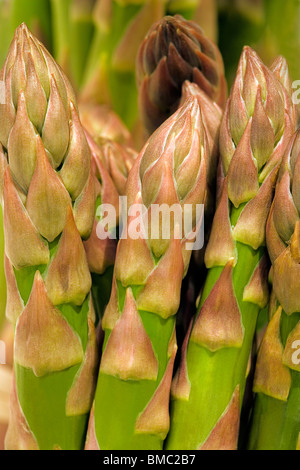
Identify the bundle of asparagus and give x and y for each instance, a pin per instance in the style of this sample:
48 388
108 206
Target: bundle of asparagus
99 361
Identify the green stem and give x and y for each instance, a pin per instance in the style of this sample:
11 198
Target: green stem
275 423
104 82
215 375
115 429
72 35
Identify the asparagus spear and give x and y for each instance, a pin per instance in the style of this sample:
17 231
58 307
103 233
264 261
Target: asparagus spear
131 406
209 385
173 51
49 208
276 415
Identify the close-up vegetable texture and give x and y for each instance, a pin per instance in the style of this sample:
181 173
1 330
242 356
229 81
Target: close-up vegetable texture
149 225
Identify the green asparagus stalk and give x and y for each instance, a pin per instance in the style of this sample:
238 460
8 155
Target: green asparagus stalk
73 29
131 406
176 50
276 415
120 27
208 388
49 200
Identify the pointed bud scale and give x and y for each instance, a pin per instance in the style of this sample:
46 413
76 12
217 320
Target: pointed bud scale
129 352
224 435
198 193
100 254
257 290
40 65
172 343
159 178
14 303
35 96
242 172
25 247
112 313
155 418
44 340
181 385
275 95
18 435
280 149
18 77
108 193
189 168
170 266
84 207
134 261
237 113
274 243
47 199
166 197
271 377
219 323
55 71
285 214
68 278
295 243
22 146
250 228
80 396
7 111
226 144
211 115
55 133
253 79
286 281
91 442
262 139
290 354
280 69
75 170
220 246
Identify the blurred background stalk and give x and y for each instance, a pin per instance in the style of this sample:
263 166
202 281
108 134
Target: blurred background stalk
72 30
